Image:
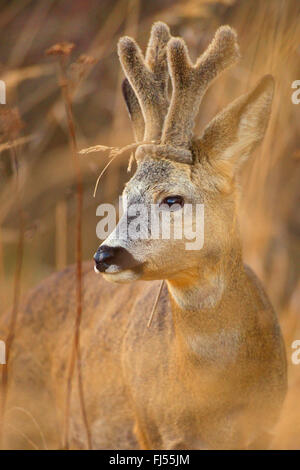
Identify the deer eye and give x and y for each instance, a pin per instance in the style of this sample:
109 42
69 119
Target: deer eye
174 203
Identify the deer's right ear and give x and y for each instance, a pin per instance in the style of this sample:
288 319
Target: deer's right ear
231 136
134 110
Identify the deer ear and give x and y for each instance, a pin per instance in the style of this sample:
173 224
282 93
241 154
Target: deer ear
233 134
134 110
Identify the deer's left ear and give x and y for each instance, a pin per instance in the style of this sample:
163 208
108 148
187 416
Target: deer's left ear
234 132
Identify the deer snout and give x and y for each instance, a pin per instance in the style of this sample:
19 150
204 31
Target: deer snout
104 257
113 259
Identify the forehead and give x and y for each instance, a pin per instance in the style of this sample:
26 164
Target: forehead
160 175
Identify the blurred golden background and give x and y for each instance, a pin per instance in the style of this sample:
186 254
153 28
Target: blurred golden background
268 32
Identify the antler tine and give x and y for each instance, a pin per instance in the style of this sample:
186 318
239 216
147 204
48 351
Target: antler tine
156 54
191 81
148 77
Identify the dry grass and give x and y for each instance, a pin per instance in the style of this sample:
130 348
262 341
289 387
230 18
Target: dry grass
268 32
62 52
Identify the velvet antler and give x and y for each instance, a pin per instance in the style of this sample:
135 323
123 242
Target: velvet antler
190 82
146 92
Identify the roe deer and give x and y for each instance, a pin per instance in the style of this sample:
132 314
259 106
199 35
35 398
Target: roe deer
210 372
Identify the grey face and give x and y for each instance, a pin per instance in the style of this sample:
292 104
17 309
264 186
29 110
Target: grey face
136 248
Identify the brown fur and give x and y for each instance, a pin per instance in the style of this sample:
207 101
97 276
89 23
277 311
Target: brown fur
226 394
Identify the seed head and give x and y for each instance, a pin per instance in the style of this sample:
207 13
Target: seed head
61 49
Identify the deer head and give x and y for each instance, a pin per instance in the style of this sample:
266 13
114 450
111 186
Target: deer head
175 169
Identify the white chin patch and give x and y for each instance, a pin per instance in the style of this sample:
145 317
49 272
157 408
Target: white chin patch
96 270
112 269
123 276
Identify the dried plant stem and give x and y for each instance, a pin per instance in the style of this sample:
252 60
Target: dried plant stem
155 304
114 152
102 173
75 353
16 288
61 234
33 420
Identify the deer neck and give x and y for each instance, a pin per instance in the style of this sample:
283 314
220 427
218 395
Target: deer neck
202 298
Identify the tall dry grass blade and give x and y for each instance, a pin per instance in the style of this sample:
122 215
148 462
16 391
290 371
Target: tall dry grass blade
14 77
25 437
101 174
32 418
61 235
28 32
100 47
16 289
103 40
115 152
11 11
155 304
62 51
94 148
16 143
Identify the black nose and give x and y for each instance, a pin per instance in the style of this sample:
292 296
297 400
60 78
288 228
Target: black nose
104 257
